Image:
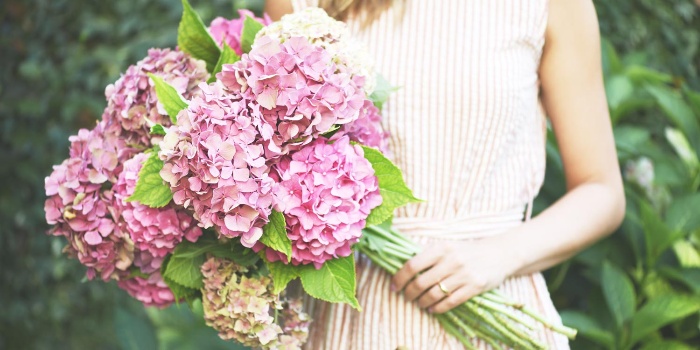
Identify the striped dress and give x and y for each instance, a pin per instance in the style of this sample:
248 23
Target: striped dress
468 131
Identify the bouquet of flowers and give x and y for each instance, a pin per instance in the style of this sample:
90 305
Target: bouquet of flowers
250 156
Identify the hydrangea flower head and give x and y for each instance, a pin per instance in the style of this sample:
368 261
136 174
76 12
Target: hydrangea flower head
132 105
298 92
154 231
367 129
229 30
151 291
215 165
333 36
326 193
82 211
240 307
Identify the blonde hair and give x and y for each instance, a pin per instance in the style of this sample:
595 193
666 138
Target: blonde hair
363 11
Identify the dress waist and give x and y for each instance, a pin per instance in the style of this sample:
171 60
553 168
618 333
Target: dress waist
472 226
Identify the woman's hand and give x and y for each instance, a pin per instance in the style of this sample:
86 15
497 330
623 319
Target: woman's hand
464 268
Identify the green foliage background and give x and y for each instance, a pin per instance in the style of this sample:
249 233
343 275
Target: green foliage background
58 55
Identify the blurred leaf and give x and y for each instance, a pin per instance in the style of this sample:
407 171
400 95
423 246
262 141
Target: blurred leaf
619 293
683 213
618 89
661 311
134 333
587 327
642 74
683 149
678 111
194 39
688 276
630 138
687 254
667 345
658 236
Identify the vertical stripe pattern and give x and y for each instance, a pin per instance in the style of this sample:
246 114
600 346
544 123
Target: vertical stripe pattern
468 131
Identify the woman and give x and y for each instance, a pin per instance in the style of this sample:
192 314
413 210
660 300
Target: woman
477 78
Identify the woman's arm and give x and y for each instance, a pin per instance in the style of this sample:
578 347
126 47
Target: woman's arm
574 97
278 8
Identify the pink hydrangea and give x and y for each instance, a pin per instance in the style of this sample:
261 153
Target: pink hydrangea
132 105
154 231
151 291
297 90
240 307
230 30
83 211
214 163
326 193
367 129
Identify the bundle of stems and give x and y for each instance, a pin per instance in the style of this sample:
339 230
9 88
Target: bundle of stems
490 316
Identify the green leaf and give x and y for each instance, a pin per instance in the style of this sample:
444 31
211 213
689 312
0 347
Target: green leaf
157 130
658 235
179 291
282 274
686 253
134 332
251 27
642 74
275 235
619 293
150 189
683 149
194 39
682 214
667 345
381 92
334 282
185 270
232 250
228 56
587 327
618 89
661 311
677 110
392 187
172 102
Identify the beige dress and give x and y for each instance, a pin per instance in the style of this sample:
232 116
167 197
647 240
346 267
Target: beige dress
468 131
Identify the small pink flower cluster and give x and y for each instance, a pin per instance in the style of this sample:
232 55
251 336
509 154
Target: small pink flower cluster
299 92
215 164
132 105
240 307
229 30
151 291
326 193
154 231
84 213
367 129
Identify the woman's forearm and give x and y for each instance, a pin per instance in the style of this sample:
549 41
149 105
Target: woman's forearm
584 215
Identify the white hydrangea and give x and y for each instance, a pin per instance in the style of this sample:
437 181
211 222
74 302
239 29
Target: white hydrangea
320 29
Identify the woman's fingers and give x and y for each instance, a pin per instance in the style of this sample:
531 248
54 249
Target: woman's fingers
435 294
426 280
413 267
458 297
